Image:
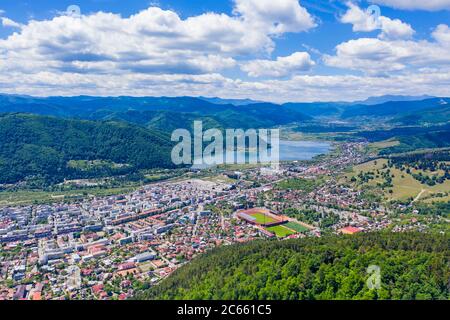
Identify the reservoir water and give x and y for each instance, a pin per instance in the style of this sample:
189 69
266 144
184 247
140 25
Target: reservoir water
289 151
302 150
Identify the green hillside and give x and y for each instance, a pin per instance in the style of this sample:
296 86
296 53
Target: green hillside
428 116
436 139
413 266
43 146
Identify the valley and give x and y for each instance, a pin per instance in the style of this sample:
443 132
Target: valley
261 154
101 196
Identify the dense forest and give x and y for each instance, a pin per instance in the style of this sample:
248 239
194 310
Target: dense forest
439 114
410 138
402 132
436 139
44 146
413 266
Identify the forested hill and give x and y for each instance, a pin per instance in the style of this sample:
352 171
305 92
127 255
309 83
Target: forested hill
413 266
42 146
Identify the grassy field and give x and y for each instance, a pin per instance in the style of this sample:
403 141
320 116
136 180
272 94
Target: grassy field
378 146
33 197
262 218
220 179
296 227
404 185
281 231
437 199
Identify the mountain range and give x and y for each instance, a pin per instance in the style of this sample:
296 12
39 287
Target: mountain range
389 98
103 108
42 136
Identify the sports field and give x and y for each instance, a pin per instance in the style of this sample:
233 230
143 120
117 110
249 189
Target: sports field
261 218
296 227
281 231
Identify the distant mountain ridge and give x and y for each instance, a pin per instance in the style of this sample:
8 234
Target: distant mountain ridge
392 98
236 102
235 113
393 108
435 114
254 115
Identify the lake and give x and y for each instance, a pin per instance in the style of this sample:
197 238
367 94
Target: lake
302 150
290 151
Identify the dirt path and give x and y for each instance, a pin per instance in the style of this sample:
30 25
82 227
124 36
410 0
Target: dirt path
419 195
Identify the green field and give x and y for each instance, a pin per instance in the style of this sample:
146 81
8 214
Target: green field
378 146
26 197
262 218
280 231
296 227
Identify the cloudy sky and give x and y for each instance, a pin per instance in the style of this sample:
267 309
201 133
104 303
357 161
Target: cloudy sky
284 50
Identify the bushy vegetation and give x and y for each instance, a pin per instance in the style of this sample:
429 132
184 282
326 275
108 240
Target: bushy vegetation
434 209
310 216
413 266
306 185
430 161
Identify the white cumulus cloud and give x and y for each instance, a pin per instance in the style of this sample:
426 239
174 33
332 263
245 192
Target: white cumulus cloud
152 41
158 52
6 22
278 16
282 66
380 56
364 21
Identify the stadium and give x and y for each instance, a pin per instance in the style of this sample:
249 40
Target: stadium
261 217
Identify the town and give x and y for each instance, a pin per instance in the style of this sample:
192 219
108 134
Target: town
111 247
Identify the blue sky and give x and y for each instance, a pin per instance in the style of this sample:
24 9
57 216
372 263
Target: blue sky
278 51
